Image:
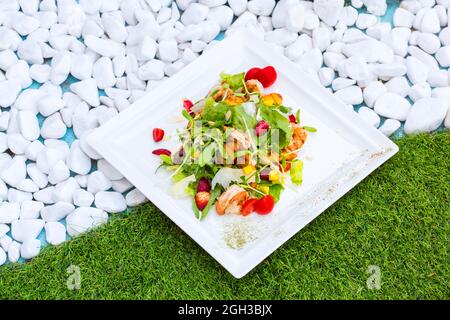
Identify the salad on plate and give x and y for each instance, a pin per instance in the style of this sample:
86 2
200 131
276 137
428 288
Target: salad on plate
238 147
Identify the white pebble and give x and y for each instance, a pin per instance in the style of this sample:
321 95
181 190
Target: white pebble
392 105
30 248
152 70
83 219
40 72
194 13
53 127
389 127
60 67
425 115
419 90
20 72
134 198
104 47
97 181
403 18
58 172
261 7
372 92
57 211
87 91
30 209
23 230
443 56
350 95
328 11
326 76
38 177
428 42
365 21
9 212
416 70
55 232
14 172
430 22
63 191
168 50
17 143
398 85
438 78
122 185
83 198
103 73
78 161
81 67
110 201
369 116
222 15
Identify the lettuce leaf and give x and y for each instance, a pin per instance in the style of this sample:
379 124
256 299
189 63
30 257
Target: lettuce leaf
235 81
297 172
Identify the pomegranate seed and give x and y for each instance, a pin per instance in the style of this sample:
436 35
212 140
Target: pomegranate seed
292 118
261 128
203 185
161 151
158 134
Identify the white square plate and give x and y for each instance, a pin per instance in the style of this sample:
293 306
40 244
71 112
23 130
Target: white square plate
342 152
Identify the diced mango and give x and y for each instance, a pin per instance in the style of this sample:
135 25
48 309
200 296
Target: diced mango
248 169
272 99
273 176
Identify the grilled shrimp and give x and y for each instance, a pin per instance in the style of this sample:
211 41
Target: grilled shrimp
253 86
231 200
299 136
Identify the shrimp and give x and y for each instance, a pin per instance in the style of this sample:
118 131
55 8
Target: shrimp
253 86
299 136
231 200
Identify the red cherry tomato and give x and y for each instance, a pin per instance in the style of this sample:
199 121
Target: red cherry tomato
187 104
158 134
292 118
265 204
161 151
249 206
251 73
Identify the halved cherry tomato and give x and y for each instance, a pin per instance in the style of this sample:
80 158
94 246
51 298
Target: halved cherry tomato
187 104
202 199
261 128
249 206
161 151
265 204
292 118
251 73
158 134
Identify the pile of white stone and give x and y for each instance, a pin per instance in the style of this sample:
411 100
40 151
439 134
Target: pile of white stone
128 47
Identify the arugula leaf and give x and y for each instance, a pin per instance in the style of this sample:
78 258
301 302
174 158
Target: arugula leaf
275 191
309 129
241 119
212 199
297 116
297 172
277 121
284 109
235 81
180 175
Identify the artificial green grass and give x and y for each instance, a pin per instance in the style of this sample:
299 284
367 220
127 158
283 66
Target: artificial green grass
397 219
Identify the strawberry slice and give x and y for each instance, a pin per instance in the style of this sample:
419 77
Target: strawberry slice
251 73
158 134
161 151
202 199
267 76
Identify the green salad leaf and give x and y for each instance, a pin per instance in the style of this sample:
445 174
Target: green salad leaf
241 119
215 114
276 120
275 191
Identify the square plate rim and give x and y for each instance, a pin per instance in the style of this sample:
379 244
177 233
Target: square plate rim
97 138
